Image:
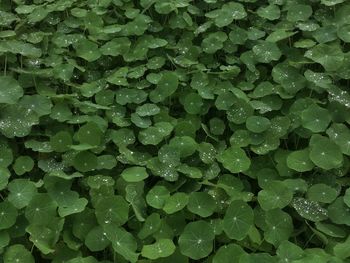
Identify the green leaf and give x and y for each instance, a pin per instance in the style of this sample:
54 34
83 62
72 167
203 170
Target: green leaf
230 253
122 241
112 210
324 153
257 124
310 210
234 159
87 50
237 220
39 211
300 161
201 204
23 164
21 192
61 141
89 134
315 118
85 161
166 86
275 195
134 174
270 12
330 57
175 203
96 239
11 91
8 215
160 249
279 227
18 253
196 240
266 52
299 12
340 134
157 196
322 193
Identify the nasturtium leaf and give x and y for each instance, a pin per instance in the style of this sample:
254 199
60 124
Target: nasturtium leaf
330 57
207 152
338 211
23 164
341 249
61 141
322 193
193 103
18 253
214 42
330 229
90 134
41 105
96 239
115 47
16 121
266 52
310 210
315 118
237 220
288 251
134 174
169 155
160 249
21 192
344 33
6 157
40 209
11 91
234 159
112 210
300 161
201 203
275 195
257 124
157 196
299 12
151 225
340 134
85 161
166 86
230 253
324 153
87 50
196 240
270 12
77 206
147 109
8 215
122 241
184 144
279 227
175 203
4 178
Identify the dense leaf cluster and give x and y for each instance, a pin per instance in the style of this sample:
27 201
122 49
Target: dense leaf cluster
174 131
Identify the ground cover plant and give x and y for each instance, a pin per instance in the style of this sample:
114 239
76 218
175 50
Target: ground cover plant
174 131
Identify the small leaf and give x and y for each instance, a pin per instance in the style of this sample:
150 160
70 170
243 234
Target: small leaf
234 159
10 91
134 174
161 249
196 240
238 220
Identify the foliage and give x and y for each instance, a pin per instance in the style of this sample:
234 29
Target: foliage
174 131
